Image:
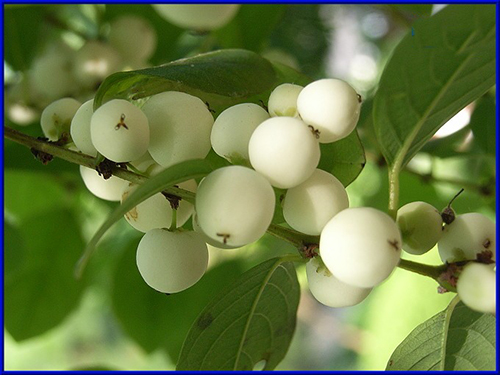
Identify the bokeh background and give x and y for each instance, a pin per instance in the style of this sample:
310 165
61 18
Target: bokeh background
111 319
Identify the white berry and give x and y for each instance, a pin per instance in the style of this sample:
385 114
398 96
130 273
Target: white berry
329 290
180 127
235 205
331 106
94 62
156 211
133 37
208 240
468 235
171 262
284 150
233 128
80 128
476 287
361 246
120 131
198 16
56 117
283 100
110 189
309 206
421 227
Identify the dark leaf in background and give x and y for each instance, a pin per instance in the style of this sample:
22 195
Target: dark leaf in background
483 125
242 32
251 320
456 339
155 320
447 63
44 292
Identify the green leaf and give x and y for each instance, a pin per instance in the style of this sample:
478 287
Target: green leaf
253 319
22 34
483 125
155 320
242 32
221 78
187 170
44 292
448 63
456 339
14 250
344 159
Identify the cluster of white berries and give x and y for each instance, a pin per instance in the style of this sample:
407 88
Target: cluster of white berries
468 238
61 71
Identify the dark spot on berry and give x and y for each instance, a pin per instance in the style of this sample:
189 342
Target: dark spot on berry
315 132
121 123
394 244
360 99
224 236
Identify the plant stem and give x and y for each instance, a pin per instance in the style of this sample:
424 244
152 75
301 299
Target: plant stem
393 192
295 238
85 160
422 269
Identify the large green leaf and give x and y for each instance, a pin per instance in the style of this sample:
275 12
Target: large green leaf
187 170
433 74
483 123
242 32
44 292
456 339
344 159
221 78
251 320
155 320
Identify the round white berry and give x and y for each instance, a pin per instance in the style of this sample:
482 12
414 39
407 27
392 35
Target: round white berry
171 262
198 16
331 106
51 72
120 131
133 37
180 127
467 236
208 240
80 128
421 227
476 287
156 211
361 246
283 100
94 62
56 117
233 128
284 150
110 189
235 205
329 290
309 206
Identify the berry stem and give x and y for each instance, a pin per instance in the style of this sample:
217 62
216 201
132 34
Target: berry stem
422 269
393 192
295 238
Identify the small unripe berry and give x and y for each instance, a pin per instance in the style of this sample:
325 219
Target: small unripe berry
120 131
467 236
133 37
180 127
283 100
310 205
329 290
476 287
233 128
171 262
421 227
198 16
110 189
331 106
235 205
56 117
284 150
80 128
361 246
